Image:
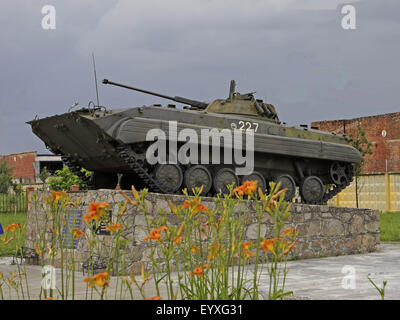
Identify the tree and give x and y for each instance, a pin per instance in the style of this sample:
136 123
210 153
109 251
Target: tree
65 179
17 187
5 177
43 176
361 143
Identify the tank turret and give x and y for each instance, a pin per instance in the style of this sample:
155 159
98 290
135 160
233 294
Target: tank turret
243 104
236 103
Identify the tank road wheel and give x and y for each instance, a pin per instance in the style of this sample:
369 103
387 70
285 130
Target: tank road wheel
169 177
312 190
287 182
256 176
340 172
223 178
198 176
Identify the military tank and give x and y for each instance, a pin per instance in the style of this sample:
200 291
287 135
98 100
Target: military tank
112 144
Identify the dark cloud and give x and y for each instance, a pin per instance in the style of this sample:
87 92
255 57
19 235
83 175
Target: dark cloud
294 53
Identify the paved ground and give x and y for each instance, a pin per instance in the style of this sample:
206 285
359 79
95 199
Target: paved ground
322 278
311 278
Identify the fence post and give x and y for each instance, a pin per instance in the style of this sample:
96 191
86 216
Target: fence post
29 190
387 192
337 200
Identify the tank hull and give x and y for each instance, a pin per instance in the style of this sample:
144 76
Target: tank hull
114 142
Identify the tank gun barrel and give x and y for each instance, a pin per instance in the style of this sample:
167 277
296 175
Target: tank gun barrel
194 103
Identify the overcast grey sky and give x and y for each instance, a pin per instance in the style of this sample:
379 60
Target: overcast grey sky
295 53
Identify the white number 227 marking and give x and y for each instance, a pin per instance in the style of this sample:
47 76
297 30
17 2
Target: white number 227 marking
244 126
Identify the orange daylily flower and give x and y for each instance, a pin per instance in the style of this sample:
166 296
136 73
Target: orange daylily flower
12 227
77 233
49 298
201 208
214 250
100 280
178 240
89 217
55 196
198 271
246 245
96 210
268 244
194 206
195 249
155 234
238 192
188 203
98 207
248 188
247 254
289 232
290 246
114 227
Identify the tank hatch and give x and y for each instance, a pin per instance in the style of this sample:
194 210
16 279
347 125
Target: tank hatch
243 104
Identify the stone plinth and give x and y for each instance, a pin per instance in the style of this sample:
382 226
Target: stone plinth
322 231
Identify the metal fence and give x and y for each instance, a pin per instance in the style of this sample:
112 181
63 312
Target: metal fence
10 203
375 191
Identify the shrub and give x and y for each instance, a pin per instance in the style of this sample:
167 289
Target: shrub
5 177
64 179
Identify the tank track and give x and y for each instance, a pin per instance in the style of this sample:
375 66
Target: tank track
76 170
136 162
336 189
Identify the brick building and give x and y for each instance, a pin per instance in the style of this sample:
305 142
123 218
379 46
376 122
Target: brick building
28 165
383 131
22 165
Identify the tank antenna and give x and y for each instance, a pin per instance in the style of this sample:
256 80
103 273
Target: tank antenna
95 79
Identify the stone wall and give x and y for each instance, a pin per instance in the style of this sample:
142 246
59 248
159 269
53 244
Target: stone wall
323 231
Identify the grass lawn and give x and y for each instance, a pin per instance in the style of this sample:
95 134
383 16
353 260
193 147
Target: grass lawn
5 220
390 226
